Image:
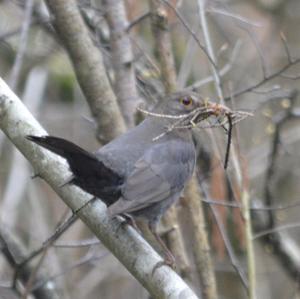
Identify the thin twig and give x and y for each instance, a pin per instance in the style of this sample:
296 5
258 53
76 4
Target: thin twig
264 80
83 261
261 208
223 71
258 49
209 47
16 69
229 248
58 232
139 19
234 16
33 276
286 47
188 28
275 229
243 193
76 244
14 251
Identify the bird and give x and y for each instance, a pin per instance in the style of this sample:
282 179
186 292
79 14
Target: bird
141 173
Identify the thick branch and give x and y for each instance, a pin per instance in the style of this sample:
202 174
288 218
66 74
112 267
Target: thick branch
89 68
201 246
122 58
129 247
160 28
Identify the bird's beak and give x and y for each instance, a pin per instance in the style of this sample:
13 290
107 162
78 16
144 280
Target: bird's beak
205 109
212 108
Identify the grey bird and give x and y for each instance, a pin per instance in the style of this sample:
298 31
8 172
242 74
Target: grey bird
142 172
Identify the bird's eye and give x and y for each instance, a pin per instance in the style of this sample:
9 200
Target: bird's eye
186 101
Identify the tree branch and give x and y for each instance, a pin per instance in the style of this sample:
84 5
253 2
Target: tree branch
122 58
14 251
89 68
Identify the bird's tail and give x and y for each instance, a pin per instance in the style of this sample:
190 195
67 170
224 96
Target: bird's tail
60 146
89 173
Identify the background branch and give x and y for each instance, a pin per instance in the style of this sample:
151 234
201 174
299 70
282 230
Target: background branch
122 58
89 68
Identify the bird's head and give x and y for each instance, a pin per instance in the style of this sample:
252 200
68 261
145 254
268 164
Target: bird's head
182 102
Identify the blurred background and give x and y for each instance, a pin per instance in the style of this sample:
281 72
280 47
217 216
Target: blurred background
255 45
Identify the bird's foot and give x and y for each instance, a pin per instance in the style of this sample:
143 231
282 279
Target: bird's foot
35 176
167 230
128 220
168 261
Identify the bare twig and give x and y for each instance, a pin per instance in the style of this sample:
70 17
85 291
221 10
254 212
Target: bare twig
243 194
83 261
259 51
138 20
15 72
286 47
234 16
14 251
75 244
275 229
186 63
223 71
260 208
230 250
33 276
188 28
58 232
265 80
291 77
209 47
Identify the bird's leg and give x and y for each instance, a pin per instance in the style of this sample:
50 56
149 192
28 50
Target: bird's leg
129 221
167 230
35 176
169 257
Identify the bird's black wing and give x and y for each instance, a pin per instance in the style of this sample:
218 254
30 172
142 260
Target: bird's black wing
163 170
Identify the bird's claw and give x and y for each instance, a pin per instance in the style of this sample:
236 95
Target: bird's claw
129 221
166 262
